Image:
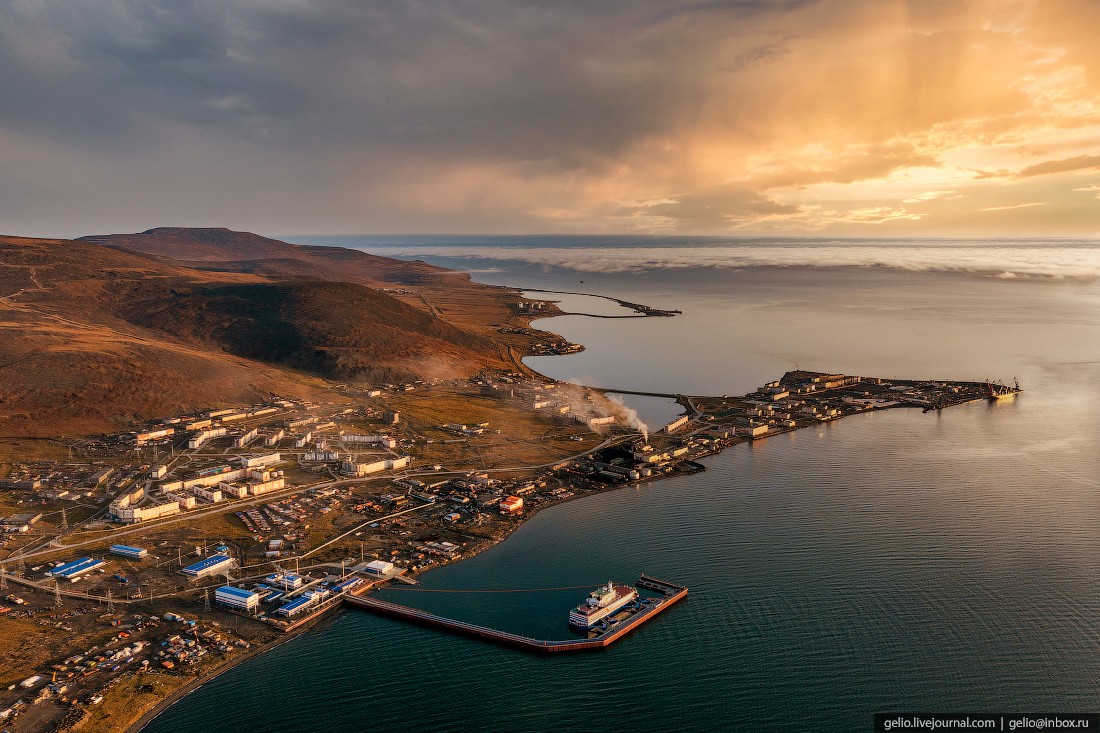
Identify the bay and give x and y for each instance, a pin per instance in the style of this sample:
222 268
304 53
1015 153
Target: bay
891 561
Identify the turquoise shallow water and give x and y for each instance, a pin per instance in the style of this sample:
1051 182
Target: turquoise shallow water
900 560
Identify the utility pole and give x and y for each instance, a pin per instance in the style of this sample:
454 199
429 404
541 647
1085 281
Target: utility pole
56 594
206 600
110 603
64 520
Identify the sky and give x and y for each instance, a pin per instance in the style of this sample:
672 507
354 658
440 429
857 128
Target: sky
849 118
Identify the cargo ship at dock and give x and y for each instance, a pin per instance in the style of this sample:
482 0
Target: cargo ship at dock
601 603
1000 391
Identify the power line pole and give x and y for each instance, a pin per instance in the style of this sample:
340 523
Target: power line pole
3 578
56 594
64 520
206 600
110 602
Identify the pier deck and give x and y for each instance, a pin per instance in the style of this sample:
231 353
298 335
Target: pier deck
670 593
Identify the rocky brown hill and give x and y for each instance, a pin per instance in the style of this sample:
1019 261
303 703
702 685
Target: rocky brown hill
222 249
94 337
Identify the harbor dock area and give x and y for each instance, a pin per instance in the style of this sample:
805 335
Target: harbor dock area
622 624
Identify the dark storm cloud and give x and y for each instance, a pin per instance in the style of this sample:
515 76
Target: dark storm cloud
497 115
458 78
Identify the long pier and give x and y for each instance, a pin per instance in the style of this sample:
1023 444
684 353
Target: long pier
670 592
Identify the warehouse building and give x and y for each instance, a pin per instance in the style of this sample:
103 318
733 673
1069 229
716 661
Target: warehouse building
76 569
210 566
379 567
134 553
238 599
298 605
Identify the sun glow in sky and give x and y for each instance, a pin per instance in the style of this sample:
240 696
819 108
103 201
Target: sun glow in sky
866 118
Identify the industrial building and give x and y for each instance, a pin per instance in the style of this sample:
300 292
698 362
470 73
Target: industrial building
299 604
594 421
143 438
75 569
210 566
284 581
676 424
346 585
134 553
378 567
237 598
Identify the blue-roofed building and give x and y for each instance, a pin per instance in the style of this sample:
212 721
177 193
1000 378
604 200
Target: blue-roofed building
75 569
285 581
210 566
237 598
346 585
296 606
134 553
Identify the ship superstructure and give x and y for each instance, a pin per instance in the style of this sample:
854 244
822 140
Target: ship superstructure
600 604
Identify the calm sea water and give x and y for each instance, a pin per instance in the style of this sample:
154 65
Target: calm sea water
936 562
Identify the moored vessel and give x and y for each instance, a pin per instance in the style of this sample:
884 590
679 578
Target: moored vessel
600 604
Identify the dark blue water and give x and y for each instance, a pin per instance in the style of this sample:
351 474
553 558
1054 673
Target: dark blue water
898 560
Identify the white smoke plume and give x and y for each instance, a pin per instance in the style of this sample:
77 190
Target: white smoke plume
588 403
627 415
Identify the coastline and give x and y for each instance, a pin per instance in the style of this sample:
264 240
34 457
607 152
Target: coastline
163 705
160 707
178 695
194 685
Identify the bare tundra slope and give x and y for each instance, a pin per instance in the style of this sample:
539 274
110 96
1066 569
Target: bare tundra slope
94 337
223 249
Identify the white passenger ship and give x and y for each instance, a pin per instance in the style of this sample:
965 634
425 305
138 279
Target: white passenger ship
600 604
